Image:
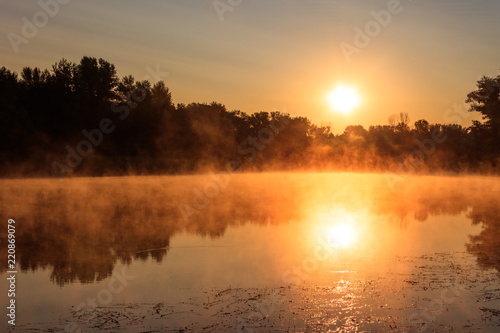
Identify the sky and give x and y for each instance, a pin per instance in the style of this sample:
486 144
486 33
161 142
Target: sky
421 57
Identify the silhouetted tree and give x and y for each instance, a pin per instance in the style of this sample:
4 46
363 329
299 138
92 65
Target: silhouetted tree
46 111
486 100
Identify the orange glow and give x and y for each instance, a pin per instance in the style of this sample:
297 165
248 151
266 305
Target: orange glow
344 99
339 228
342 234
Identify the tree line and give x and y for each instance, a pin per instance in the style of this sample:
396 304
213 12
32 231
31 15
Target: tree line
82 119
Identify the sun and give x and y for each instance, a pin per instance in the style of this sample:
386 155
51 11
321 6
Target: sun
344 99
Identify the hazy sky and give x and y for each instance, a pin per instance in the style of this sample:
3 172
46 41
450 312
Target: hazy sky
265 55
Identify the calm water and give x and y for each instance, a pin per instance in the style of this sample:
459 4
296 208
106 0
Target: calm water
255 253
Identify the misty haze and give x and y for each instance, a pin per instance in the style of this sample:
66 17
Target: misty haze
250 166
290 251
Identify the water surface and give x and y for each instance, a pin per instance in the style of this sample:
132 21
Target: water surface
256 252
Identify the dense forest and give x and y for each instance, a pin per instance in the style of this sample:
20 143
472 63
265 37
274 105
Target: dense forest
82 119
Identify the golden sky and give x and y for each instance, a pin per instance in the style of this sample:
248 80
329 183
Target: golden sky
417 56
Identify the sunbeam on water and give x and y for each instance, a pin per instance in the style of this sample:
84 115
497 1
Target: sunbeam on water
340 228
369 257
342 234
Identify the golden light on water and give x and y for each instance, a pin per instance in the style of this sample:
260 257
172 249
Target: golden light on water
344 99
342 234
339 227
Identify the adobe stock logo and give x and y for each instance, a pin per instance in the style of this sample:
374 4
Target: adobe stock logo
221 7
373 28
30 28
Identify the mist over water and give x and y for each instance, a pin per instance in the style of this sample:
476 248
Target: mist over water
180 234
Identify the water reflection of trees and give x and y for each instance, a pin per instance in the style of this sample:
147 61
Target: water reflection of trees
478 197
486 245
80 229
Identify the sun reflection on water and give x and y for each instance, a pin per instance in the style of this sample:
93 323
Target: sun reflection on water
342 234
339 227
